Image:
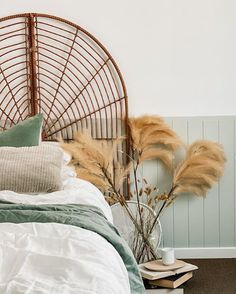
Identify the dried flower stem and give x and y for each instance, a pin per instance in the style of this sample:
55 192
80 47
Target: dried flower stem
137 195
163 206
135 222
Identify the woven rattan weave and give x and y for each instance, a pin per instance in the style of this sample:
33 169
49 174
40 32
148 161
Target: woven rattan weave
55 67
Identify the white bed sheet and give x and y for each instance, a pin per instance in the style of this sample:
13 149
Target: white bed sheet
55 258
74 191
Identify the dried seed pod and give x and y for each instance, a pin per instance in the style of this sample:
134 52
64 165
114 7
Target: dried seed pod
140 192
145 181
150 201
163 196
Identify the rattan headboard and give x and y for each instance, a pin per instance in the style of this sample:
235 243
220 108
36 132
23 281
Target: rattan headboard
52 66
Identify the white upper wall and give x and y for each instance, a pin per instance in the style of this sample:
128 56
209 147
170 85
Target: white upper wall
178 57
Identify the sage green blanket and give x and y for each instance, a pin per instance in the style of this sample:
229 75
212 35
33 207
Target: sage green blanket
83 216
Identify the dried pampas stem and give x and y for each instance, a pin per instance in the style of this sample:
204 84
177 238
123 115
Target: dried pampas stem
95 161
151 130
202 168
152 153
152 138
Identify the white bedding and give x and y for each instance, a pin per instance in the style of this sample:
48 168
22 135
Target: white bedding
55 258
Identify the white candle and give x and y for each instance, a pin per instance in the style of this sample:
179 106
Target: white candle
168 256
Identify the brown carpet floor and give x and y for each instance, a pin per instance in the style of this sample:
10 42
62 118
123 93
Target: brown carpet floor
214 276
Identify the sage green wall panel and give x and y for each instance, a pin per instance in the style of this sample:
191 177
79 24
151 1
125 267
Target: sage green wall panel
193 221
211 202
196 220
150 172
226 186
167 222
167 219
181 211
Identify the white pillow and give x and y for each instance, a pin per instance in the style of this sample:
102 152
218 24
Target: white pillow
66 156
66 171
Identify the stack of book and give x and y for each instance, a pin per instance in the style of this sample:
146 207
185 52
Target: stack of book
168 278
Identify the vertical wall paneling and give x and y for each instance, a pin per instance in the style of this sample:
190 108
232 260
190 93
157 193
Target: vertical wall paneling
226 186
193 221
150 172
167 219
181 212
211 202
196 217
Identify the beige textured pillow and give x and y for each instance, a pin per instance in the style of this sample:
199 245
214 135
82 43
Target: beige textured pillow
31 169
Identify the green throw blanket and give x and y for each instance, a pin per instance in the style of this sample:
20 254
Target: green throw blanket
83 216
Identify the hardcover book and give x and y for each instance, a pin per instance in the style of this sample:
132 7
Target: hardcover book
155 275
172 281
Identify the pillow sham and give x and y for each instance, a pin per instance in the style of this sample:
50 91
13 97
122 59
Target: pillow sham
66 155
67 170
31 169
25 133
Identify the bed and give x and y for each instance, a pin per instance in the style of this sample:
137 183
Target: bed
63 241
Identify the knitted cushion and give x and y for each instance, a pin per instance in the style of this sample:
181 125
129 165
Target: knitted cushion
31 169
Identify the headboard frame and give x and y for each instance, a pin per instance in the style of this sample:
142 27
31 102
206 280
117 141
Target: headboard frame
52 66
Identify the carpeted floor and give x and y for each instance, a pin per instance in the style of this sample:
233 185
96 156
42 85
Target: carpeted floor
215 276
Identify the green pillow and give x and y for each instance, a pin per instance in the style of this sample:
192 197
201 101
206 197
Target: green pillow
25 133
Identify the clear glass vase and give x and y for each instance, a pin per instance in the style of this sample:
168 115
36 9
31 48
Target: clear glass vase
135 233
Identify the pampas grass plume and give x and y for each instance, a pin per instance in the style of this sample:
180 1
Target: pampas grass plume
152 138
201 169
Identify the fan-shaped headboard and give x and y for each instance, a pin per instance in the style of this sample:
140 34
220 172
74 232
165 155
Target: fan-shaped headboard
52 66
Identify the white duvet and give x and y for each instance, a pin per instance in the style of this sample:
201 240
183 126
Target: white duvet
55 258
